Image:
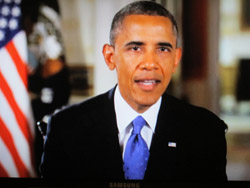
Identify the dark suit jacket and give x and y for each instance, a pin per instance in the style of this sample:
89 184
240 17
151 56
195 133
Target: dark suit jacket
82 141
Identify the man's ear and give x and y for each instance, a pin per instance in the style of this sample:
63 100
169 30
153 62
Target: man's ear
178 54
108 54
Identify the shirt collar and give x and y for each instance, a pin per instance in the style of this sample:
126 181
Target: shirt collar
125 114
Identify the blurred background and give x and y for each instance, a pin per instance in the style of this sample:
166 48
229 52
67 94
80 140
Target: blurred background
65 40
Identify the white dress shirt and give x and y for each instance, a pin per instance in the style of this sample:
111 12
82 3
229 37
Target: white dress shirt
125 115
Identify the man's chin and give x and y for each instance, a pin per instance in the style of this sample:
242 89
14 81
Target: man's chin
148 101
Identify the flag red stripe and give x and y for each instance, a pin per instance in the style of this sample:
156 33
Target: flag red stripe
3 172
21 119
9 142
20 65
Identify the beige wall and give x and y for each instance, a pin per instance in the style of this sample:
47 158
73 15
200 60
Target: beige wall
234 45
78 25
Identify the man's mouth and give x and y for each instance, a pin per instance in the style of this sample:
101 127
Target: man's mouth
147 84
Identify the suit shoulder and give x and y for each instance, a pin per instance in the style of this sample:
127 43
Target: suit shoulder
194 113
87 106
78 116
184 107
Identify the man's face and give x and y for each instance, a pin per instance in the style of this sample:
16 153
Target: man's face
145 57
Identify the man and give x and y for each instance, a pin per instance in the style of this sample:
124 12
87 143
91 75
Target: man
135 130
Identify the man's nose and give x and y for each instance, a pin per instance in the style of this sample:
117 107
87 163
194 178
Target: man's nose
149 61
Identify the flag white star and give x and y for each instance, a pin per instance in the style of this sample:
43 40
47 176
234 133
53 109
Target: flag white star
16 11
17 1
7 1
3 23
13 24
5 10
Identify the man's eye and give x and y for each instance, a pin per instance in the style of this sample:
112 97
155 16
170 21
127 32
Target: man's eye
164 49
135 48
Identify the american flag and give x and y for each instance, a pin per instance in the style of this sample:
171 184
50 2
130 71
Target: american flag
16 121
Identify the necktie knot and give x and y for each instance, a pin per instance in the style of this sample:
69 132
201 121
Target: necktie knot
138 123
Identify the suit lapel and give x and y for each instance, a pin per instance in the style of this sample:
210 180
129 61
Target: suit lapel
108 131
163 150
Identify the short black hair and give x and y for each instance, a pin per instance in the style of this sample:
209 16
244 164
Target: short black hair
140 8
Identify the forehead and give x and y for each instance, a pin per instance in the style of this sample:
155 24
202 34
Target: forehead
146 25
146 19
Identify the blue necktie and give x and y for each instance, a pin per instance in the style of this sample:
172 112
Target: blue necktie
136 152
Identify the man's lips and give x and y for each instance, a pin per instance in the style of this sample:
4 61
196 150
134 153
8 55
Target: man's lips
147 81
147 84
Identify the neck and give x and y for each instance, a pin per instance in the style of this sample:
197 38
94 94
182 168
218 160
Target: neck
141 108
